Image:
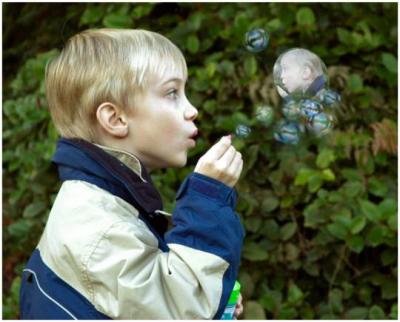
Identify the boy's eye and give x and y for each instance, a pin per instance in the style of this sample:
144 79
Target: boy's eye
173 93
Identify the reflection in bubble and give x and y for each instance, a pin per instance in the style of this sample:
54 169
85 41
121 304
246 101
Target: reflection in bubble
242 131
299 73
287 132
256 40
265 115
320 124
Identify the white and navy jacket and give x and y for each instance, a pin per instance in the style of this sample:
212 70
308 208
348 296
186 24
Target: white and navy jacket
106 253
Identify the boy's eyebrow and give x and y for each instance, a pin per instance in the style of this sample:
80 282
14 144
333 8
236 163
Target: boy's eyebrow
174 79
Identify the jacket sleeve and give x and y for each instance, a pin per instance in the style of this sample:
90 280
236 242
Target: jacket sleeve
205 220
193 280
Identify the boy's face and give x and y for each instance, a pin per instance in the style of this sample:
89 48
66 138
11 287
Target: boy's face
292 73
161 126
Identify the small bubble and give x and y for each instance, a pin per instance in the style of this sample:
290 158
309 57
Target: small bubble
291 110
330 98
309 108
242 131
256 40
265 115
287 132
320 124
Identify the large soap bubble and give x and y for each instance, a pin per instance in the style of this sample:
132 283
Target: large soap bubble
256 40
299 73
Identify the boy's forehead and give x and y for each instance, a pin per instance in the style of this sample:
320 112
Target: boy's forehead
170 73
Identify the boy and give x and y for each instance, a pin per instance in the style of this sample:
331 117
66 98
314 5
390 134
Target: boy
298 71
117 99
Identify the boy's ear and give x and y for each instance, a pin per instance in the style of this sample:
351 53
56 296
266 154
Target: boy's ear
306 72
112 119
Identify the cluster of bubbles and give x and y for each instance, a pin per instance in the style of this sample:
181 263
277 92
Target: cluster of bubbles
301 80
308 106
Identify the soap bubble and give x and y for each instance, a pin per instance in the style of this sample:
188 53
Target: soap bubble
309 108
287 132
320 124
256 40
330 98
291 109
299 73
242 131
265 115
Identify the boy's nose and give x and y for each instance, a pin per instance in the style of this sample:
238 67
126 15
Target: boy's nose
191 113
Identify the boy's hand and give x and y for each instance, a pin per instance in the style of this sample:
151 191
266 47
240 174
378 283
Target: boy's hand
239 307
221 162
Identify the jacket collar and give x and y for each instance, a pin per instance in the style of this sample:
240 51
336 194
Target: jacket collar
112 170
126 158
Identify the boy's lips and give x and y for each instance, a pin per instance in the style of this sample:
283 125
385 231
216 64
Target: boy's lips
194 134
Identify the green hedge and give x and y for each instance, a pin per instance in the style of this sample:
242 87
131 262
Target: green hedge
320 217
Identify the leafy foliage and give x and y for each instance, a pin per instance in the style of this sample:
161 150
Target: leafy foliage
321 217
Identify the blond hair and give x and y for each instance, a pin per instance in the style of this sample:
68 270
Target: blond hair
104 65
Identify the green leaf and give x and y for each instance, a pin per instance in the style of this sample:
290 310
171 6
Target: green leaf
376 235
114 20
335 300
393 312
254 311
303 176
315 182
355 83
355 243
287 312
271 230
337 229
34 209
305 17
328 175
254 252
389 289
252 223
390 62
357 313
92 14
325 157
295 295
271 300
388 208
288 230
353 189
389 256
193 44
357 224
270 203
370 210
250 66
377 187
20 228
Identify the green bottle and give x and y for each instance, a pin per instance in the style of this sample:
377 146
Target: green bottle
230 307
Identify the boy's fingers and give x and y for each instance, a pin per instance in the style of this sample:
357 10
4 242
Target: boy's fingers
236 167
227 158
219 148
